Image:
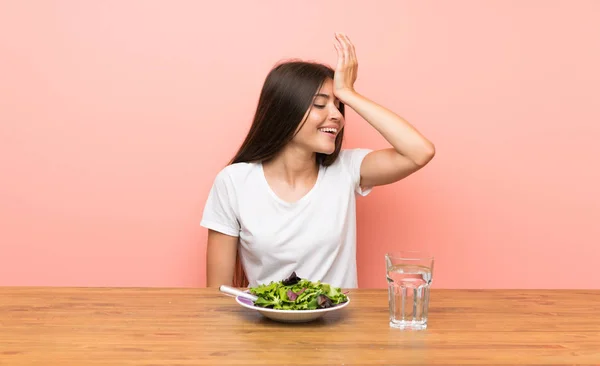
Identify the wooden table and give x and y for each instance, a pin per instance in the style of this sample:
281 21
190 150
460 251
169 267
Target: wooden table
93 326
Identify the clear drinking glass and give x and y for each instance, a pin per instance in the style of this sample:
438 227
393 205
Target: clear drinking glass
409 275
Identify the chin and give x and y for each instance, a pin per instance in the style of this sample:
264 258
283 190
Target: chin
326 150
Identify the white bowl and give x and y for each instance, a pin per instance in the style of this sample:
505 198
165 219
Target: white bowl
290 316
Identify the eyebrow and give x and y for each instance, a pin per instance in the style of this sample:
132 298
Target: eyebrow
325 96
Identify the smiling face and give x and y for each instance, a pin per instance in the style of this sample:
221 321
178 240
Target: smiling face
324 121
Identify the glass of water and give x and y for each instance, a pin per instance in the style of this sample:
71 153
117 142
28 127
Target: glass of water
409 275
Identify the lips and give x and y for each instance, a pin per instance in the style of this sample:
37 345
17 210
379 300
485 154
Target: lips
329 130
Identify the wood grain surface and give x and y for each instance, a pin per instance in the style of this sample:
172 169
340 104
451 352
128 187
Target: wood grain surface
148 326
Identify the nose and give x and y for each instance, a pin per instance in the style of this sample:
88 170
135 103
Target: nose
335 114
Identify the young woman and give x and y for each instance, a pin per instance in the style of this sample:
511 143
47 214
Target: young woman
286 202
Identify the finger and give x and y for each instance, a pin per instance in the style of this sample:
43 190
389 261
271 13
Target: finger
340 54
345 48
343 53
351 49
340 47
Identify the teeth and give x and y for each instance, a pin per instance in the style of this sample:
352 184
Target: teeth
333 130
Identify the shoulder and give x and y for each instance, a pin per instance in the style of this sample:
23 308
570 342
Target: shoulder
350 160
237 169
231 183
234 175
347 156
348 164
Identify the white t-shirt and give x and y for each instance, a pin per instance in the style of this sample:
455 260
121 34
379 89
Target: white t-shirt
314 236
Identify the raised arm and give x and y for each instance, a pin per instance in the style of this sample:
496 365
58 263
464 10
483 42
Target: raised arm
410 149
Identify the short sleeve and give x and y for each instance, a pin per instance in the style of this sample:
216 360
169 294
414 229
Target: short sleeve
352 159
219 213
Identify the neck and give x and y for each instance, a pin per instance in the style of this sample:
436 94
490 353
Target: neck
293 165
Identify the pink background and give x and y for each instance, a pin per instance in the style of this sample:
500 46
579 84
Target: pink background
115 117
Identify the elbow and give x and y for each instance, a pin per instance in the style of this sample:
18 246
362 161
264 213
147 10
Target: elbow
426 154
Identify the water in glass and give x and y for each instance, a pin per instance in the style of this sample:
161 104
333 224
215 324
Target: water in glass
409 279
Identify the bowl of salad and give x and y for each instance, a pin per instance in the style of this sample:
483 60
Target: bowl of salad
293 300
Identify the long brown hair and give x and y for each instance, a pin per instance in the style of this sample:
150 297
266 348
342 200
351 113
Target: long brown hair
286 95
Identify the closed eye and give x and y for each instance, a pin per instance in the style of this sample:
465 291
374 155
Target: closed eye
319 106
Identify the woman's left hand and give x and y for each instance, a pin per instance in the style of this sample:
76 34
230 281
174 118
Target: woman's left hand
346 69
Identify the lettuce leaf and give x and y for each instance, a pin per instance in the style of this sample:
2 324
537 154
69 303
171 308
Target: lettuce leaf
295 293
